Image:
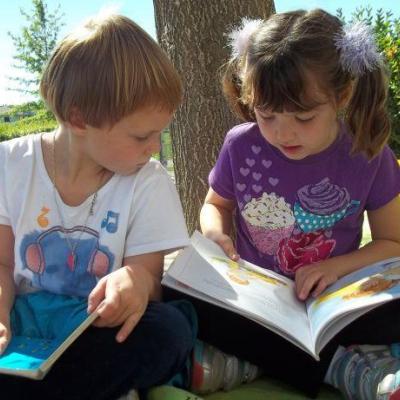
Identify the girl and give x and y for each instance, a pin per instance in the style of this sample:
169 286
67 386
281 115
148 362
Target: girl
297 177
81 216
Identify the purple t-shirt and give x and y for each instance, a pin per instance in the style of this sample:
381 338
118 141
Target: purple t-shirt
292 213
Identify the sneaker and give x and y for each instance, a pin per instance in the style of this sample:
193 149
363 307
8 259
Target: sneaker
367 373
389 387
214 370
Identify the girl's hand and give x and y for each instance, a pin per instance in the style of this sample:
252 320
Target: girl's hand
216 221
121 298
226 243
314 279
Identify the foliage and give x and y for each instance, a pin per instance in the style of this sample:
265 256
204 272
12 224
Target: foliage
387 33
31 106
42 121
35 43
166 144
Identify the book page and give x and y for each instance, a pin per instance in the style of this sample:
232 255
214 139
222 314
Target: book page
351 296
260 294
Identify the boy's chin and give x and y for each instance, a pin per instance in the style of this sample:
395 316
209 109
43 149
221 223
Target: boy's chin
132 171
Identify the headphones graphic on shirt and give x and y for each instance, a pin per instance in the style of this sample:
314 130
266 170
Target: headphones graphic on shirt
98 264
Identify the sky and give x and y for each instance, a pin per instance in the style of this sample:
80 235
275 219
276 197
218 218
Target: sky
141 11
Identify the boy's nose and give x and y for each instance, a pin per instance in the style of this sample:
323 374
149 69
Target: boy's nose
154 145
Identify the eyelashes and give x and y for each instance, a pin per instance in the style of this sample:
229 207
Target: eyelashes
304 120
298 119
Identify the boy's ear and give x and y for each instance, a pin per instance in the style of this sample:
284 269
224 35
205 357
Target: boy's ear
76 120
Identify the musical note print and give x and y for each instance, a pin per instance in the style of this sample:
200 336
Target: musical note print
110 222
42 220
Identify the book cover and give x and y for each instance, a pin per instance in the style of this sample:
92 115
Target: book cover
44 325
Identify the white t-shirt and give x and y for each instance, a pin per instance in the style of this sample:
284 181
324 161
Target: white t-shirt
69 253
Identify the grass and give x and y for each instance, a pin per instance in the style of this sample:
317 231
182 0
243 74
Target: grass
366 237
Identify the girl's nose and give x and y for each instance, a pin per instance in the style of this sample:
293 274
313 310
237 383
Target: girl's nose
284 133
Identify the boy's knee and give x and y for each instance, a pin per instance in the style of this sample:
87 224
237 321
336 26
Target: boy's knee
174 329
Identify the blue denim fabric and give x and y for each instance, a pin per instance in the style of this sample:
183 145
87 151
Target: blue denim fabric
182 378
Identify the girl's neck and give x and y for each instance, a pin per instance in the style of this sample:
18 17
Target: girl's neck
333 135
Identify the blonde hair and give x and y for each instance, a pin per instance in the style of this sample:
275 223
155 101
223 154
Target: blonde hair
107 69
282 55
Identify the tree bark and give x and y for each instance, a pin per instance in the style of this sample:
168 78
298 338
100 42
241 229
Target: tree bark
193 33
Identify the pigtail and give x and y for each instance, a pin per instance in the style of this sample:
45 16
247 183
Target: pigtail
232 89
367 115
239 39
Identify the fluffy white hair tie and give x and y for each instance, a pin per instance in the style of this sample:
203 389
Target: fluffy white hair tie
358 50
240 36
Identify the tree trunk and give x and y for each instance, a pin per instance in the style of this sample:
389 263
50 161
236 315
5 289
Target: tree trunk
193 33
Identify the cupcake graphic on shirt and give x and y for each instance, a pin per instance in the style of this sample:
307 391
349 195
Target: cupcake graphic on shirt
269 219
322 205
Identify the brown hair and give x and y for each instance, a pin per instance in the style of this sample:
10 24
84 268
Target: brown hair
288 50
107 69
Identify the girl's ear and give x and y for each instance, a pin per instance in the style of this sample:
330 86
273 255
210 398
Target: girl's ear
345 97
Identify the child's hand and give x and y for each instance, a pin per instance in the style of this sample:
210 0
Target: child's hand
120 298
226 243
5 335
314 279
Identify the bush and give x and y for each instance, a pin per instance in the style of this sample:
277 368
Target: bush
30 106
387 33
42 121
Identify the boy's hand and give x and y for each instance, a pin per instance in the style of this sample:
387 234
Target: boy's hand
226 243
5 335
314 279
120 298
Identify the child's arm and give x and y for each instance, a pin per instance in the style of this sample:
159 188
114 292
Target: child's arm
7 288
216 222
385 230
121 297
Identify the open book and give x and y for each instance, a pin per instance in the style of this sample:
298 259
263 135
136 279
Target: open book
203 271
32 357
